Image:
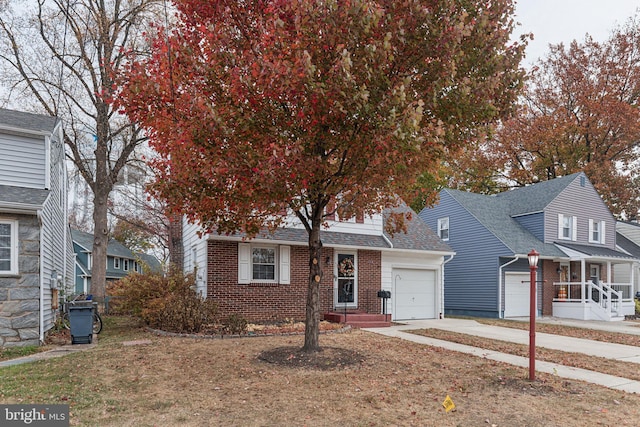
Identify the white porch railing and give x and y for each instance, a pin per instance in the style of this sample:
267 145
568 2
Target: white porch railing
588 300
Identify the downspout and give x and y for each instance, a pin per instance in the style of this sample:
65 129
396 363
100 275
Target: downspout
441 316
41 316
500 315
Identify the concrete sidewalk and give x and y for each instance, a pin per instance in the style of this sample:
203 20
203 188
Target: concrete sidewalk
56 352
555 342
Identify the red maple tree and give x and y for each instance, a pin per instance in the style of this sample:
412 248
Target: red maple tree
257 107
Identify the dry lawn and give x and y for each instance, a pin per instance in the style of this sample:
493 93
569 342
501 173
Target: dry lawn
171 381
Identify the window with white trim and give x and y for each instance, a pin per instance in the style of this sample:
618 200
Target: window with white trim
8 247
443 228
116 263
258 263
596 231
263 264
567 227
125 264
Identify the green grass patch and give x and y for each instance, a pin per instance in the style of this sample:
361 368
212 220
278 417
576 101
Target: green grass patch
15 352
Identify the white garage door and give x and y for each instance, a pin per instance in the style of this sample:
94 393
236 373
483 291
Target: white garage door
516 294
414 295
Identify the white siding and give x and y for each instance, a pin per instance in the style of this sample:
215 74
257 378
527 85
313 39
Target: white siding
194 245
22 161
409 260
56 246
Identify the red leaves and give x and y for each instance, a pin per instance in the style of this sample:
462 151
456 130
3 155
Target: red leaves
257 105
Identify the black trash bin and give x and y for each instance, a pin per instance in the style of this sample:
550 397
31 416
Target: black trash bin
81 322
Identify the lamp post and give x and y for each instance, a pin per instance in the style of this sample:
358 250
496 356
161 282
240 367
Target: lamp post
533 266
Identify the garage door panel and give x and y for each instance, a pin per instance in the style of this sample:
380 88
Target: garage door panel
516 295
414 294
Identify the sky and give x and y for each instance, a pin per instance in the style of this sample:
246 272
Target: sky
555 21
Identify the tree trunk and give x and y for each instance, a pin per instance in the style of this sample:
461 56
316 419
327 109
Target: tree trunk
101 189
312 327
99 251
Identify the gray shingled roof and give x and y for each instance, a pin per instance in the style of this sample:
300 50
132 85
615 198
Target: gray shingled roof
114 248
418 237
31 197
27 121
627 245
534 198
495 214
595 251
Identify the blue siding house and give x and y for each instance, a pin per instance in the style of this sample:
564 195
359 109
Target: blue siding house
120 261
565 220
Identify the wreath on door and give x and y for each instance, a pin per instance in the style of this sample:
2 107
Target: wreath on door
346 267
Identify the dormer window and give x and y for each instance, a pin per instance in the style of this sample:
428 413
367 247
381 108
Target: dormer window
443 228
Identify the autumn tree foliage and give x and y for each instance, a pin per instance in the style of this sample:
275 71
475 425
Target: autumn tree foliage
579 112
260 107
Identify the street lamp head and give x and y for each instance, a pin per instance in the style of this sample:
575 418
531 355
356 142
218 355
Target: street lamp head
533 258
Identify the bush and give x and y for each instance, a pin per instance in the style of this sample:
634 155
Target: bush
235 325
637 301
166 302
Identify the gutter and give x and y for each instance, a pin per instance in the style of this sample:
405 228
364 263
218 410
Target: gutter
516 258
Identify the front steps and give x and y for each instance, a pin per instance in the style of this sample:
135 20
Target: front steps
358 319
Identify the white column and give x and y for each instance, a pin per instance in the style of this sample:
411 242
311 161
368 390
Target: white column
583 274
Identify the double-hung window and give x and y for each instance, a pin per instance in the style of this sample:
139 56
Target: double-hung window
263 264
125 264
116 263
443 228
8 247
567 227
258 263
596 231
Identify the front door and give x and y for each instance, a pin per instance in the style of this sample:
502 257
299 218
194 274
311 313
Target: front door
594 273
346 283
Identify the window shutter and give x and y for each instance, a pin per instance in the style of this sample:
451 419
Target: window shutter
285 265
244 263
590 230
602 238
574 232
560 218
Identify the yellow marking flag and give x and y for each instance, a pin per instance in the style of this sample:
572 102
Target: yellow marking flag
448 404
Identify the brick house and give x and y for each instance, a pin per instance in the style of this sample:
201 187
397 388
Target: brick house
265 279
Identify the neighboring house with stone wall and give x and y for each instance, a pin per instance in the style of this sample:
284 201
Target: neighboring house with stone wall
266 278
36 256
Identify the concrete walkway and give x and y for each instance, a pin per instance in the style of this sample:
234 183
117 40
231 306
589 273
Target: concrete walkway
619 352
56 352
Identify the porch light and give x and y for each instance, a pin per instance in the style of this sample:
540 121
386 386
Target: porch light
533 258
